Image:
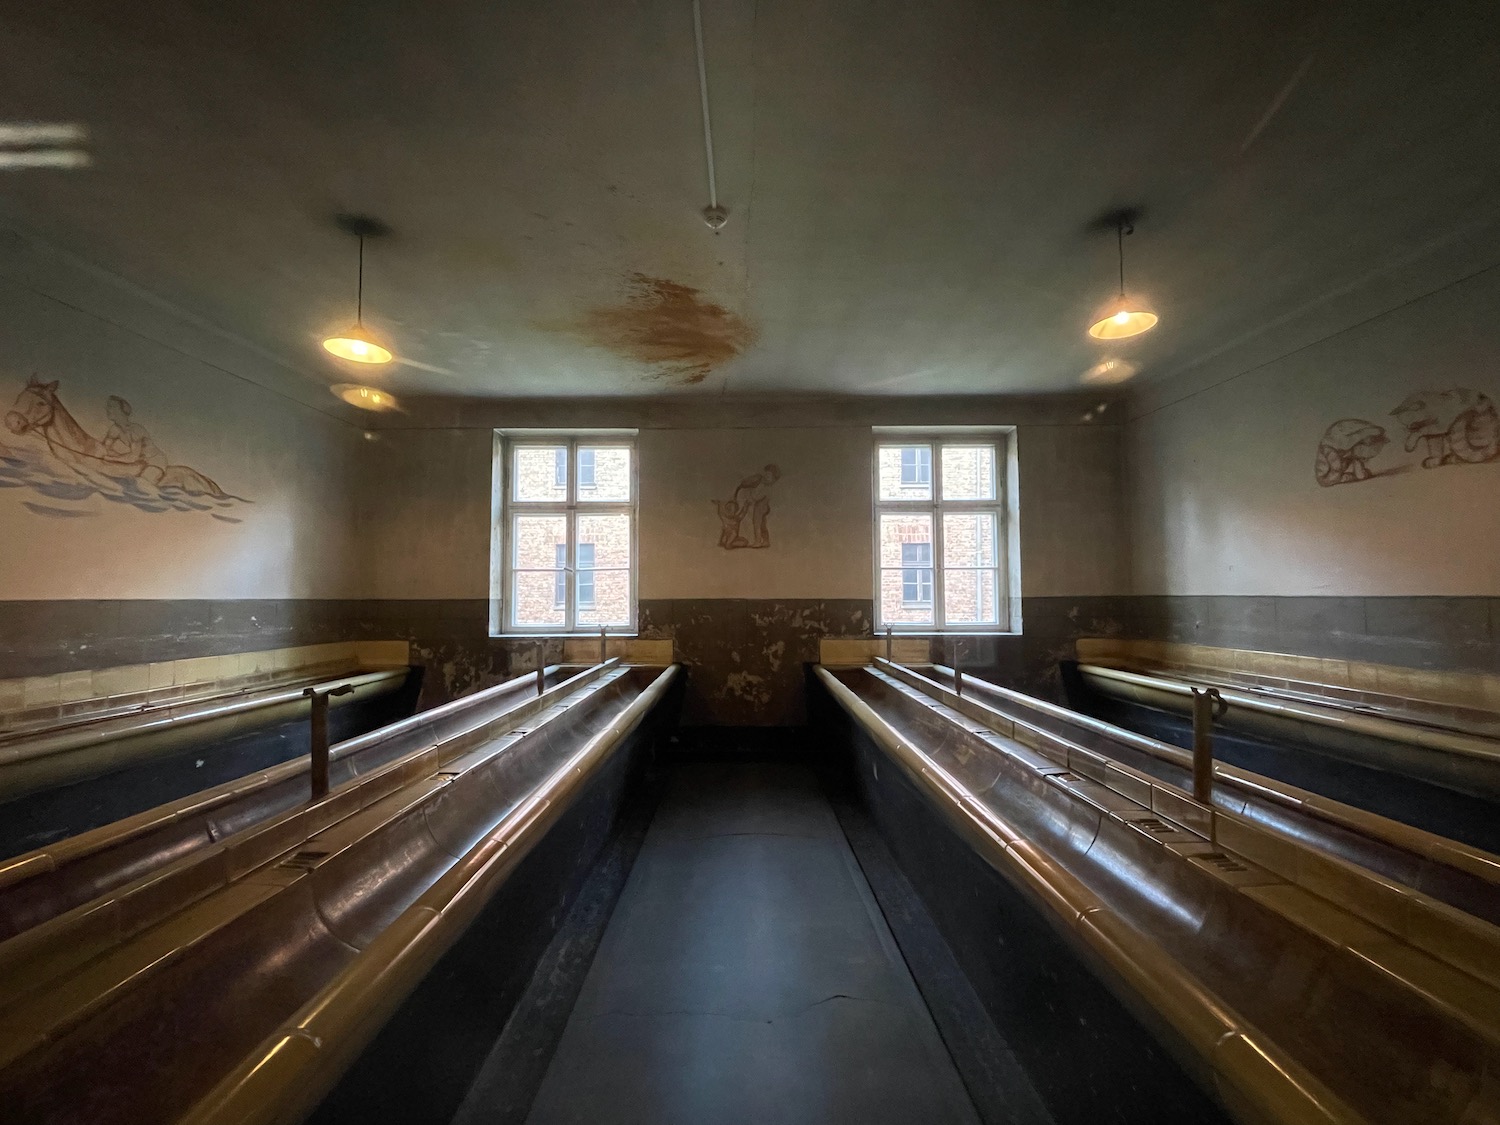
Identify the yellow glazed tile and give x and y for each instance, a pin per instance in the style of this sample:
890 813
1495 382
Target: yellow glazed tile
1363 677
40 691
127 679
196 670
382 653
255 663
75 687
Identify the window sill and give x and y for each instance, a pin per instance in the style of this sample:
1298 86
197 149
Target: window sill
895 632
539 636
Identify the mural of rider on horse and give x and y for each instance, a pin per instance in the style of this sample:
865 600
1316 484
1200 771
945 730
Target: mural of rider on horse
126 451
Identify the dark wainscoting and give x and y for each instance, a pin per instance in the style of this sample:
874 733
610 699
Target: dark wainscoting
449 637
745 657
1451 634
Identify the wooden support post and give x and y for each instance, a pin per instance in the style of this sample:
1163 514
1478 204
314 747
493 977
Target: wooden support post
888 642
541 668
603 643
318 720
1208 705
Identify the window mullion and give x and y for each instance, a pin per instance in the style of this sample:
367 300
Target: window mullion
571 524
939 531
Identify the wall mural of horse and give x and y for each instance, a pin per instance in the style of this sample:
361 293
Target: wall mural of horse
58 458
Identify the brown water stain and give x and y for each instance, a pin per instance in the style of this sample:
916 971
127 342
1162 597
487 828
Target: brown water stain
669 326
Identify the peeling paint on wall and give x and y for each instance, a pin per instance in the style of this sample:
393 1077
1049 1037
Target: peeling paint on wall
669 327
745 657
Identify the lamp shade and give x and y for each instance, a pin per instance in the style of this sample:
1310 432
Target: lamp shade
1110 371
1120 318
357 344
366 398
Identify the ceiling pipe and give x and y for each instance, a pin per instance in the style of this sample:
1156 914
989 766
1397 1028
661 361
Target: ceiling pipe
714 215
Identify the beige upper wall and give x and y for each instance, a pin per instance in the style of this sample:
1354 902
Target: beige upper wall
425 506
819 526
424 514
76 527
1224 496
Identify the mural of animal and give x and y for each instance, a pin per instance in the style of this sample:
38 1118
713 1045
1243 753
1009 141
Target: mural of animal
1456 425
127 450
1346 449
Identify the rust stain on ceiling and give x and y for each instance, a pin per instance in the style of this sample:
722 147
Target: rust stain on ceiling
669 326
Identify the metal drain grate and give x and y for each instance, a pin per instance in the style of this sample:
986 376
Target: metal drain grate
1152 824
1223 862
304 860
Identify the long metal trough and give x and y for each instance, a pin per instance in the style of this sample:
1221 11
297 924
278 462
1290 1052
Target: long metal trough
87 746
50 881
1291 985
1452 872
246 1002
1455 756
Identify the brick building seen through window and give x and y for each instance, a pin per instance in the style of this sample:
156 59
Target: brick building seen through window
566 533
940 533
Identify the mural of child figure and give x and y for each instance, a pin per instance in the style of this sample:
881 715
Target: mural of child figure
751 499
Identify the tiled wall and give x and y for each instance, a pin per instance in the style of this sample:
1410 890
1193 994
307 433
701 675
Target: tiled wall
59 694
1451 633
745 656
45 638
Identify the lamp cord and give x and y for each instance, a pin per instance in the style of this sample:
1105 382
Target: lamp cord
359 298
1120 239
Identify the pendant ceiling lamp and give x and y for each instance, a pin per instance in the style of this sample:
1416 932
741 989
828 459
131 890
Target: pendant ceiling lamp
366 398
356 342
1122 316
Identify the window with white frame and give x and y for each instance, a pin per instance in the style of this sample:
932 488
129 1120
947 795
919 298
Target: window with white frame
565 533
941 538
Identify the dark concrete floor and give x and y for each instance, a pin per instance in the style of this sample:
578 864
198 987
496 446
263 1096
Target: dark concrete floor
747 975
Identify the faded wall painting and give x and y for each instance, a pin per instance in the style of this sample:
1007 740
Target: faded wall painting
47 451
743 517
1453 427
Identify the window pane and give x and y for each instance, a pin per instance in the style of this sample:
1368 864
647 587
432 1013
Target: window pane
906 577
603 580
535 599
611 594
540 472
968 472
969 538
604 473
535 540
539 547
586 576
607 536
905 472
971 597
